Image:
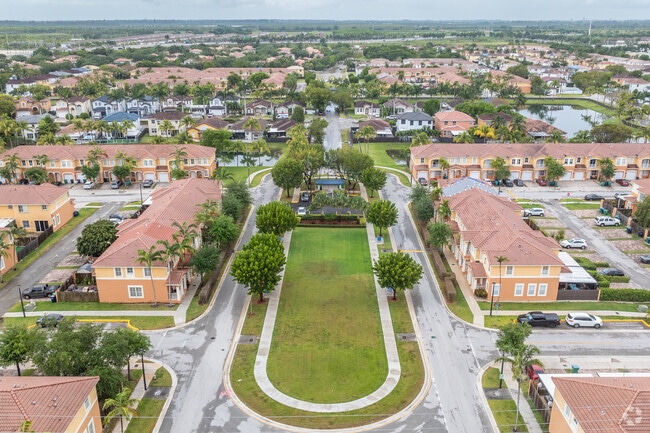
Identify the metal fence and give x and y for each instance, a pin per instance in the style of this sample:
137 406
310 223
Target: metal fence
31 246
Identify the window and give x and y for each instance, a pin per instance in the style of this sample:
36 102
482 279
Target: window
532 288
544 270
118 272
23 208
496 289
91 426
421 160
542 290
519 289
579 160
136 292
567 411
621 161
487 163
87 403
147 272
129 272
526 160
147 162
31 163
10 206
515 161
44 207
66 163
568 161
593 163
539 163
25 224
2 263
510 270
41 226
58 219
54 221
162 161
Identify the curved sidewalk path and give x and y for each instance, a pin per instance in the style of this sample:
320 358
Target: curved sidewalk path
394 368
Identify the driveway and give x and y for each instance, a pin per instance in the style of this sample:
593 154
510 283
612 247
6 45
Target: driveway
595 241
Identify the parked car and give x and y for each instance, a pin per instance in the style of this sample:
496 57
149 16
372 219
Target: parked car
148 183
533 371
304 196
607 221
534 211
590 197
423 181
302 210
50 320
507 182
585 320
623 182
645 258
89 184
39 291
541 182
620 195
574 243
612 272
116 184
537 318
518 182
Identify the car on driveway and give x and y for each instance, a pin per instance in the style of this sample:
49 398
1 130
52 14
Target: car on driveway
611 272
645 258
302 210
541 182
304 196
116 184
607 221
518 182
623 182
89 184
533 371
534 211
538 319
507 182
574 243
590 197
50 320
148 183
39 291
422 181
583 320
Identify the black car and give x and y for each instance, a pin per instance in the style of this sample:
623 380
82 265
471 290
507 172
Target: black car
645 258
49 320
304 196
518 182
594 197
507 182
537 318
148 183
39 291
612 272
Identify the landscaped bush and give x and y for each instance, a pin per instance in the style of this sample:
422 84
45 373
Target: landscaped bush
450 288
616 279
480 293
438 264
600 279
601 264
625 295
589 265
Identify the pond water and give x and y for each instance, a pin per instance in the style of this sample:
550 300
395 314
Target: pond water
255 159
565 117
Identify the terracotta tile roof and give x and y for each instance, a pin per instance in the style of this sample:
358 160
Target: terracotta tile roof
452 115
177 203
643 185
493 224
50 403
138 151
31 194
608 404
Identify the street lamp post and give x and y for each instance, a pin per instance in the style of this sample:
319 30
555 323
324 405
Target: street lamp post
144 379
22 305
492 298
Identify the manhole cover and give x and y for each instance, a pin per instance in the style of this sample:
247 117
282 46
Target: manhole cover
406 337
248 339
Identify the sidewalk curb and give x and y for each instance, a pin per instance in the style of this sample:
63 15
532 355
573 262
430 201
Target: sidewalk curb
170 397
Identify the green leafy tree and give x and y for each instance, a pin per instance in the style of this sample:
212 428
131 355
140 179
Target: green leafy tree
353 164
373 179
206 259
424 208
276 217
91 172
397 271
607 169
10 168
96 238
431 106
178 155
642 212
17 344
223 231
118 346
440 234
287 174
298 114
554 170
259 264
38 175
512 336
220 139
121 406
382 213
444 211
611 133
125 165
317 130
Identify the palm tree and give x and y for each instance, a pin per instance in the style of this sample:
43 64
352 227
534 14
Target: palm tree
166 126
444 166
465 137
420 139
122 407
187 122
261 146
147 258
252 124
41 160
169 251
222 174
521 357
366 133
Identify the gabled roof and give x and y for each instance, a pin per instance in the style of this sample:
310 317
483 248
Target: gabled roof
283 124
414 116
239 125
44 194
138 151
211 122
169 115
50 403
453 115
376 124
121 116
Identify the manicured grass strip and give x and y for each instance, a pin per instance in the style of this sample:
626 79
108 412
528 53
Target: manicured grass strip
139 322
378 153
581 206
490 378
328 344
403 177
163 378
241 173
93 306
563 306
460 308
504 412
496 322
148 411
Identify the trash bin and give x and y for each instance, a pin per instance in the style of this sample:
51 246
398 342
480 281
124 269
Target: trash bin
628 229
53 298
575 368
75 213
647 240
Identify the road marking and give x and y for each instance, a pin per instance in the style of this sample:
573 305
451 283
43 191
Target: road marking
410 251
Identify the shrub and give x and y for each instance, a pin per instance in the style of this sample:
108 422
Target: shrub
586 263
613 279
625 295
450 288
601 264
480 293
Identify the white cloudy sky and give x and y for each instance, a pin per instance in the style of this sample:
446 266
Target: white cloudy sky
324 9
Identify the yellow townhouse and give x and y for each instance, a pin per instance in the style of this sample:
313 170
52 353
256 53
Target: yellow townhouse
36 207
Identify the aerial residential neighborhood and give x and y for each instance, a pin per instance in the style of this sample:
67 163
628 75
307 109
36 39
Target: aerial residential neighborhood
261 224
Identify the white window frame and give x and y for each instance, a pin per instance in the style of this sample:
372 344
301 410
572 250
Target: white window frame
66 163
519 289
130 272
58 218
532 286
545 270
2 263
23 208
510 270
117 272
91 426
87 404
621 161
496 289
542 289
147 162
133 292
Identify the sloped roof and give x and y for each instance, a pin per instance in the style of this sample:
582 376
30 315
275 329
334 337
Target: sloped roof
50 403
453 115
121 116
138 151
31 194
414 116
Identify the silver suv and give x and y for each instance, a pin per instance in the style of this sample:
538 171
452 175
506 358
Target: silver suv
574 243
534 211
607 221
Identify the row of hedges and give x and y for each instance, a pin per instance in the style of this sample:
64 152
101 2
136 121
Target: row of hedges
600 279
590 265
625 295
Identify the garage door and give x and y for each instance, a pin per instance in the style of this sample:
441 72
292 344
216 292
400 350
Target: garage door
630 175
527 175
163 177
619 175
422 174
150 176
475 174
567 175
579 175
69 178
515 175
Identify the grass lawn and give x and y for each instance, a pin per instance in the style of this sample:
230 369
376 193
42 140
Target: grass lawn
578 102
240 174
92 306
504 412
163 378
496 322
378 153
148 411
580 206
48 243
460 308
328 344
564 306
338 324
195 310
490 378
139 322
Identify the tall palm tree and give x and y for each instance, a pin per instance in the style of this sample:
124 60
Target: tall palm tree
147 258
170 251
444 166
187 122
366 133
41 160
166 126
222 174
121 406
252 124
261 147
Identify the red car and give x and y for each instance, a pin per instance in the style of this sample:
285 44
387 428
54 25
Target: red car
541 182
622 182
533 371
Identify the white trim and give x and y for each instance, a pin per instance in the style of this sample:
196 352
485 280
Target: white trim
136 296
